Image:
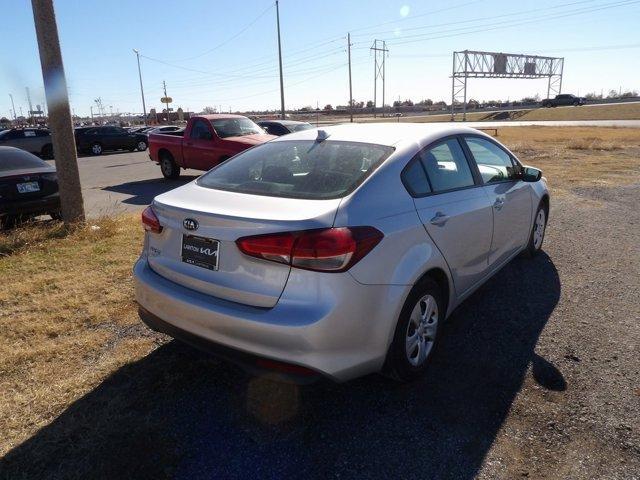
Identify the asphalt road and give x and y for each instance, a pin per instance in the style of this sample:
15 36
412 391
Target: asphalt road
123 181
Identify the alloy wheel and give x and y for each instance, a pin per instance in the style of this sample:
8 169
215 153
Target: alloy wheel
421 330
538 229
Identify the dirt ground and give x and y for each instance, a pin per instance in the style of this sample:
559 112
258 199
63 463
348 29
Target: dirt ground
537 374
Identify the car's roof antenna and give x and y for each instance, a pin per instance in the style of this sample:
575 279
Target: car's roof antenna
322 135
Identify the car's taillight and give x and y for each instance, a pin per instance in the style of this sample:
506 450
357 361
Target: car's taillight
326 250
150 221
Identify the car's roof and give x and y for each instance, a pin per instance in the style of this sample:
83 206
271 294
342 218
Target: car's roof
220 116
390 134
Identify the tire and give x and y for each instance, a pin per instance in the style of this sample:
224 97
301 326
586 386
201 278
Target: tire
141 146
170 170
96 149
575 104
421 317
47 152
536 237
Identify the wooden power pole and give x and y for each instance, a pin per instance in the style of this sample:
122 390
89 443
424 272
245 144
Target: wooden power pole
55 87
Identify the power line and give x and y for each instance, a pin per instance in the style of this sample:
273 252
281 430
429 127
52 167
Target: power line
507 24
492 17
233 37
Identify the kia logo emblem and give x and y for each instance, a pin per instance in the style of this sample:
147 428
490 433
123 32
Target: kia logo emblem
190 224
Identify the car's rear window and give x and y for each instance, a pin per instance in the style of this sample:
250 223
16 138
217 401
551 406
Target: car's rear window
298 169
14 159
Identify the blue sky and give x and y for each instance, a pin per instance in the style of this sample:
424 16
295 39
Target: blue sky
223 52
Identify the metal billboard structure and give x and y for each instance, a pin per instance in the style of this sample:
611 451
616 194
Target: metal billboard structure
472 64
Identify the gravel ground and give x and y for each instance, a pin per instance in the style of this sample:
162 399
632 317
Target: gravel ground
537 376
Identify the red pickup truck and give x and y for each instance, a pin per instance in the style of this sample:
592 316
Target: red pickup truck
207 141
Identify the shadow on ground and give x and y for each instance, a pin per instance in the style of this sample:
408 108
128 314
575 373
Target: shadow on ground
142 192
180 414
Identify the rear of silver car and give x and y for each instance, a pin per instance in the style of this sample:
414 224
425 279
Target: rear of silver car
264 276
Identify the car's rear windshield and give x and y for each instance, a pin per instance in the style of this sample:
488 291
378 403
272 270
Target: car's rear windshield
11 159
298 169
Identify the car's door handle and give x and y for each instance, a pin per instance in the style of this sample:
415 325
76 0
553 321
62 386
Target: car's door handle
439 219
498 204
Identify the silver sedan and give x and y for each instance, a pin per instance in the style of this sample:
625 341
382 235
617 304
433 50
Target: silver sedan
337 252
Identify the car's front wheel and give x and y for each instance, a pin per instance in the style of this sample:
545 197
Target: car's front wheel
141 146
537 231
416 332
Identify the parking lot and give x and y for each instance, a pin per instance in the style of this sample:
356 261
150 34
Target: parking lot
118 182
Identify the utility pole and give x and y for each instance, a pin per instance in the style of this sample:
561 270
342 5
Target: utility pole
350 91
378 71
144 107
164 85
13 107
55 87
282 115
29 102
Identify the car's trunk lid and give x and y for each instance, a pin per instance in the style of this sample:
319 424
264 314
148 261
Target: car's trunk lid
225 217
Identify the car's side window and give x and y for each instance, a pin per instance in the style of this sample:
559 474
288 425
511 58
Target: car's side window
494 164
415 179
446 166
200 131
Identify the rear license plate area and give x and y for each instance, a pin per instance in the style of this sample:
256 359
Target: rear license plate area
28 187
200 251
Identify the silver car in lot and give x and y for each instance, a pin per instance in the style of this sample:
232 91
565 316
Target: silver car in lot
337 252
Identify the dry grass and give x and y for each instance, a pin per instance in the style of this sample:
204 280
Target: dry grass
577 156
66 308
624 111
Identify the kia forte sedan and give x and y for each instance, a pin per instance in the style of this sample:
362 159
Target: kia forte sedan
337 252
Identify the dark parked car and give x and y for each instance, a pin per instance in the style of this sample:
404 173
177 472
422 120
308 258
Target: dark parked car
34 140
96 140
562 100
282 127
28 186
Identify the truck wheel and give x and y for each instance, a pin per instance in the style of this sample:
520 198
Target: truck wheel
168 167
96 149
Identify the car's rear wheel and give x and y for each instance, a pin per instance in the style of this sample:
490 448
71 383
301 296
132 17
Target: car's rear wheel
96 148
141 146
537 231
168 166
416 332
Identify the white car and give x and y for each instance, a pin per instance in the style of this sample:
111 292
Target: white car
337 252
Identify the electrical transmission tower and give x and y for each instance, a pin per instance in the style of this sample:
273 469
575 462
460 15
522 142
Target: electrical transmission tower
379 70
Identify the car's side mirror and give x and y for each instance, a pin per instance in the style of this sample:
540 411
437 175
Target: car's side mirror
531 174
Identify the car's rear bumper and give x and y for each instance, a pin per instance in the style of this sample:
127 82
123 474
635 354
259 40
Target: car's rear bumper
48 204
328 323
